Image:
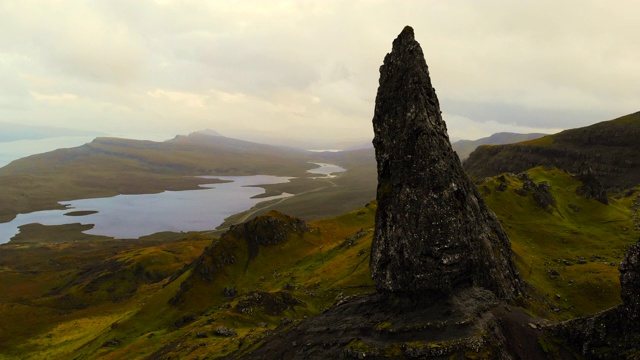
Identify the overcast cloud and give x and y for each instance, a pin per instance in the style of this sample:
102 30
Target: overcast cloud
264 70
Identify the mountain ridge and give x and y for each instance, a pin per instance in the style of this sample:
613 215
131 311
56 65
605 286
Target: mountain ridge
465 147
606 149
109 166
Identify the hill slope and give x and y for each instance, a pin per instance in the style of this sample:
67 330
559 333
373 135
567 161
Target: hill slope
121 291
112 166
607 149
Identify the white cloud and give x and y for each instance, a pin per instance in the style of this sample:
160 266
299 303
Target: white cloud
309 70
184 98
53 97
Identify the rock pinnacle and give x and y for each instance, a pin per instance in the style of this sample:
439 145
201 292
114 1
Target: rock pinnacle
434 234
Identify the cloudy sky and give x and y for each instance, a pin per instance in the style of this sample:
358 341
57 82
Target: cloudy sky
266 70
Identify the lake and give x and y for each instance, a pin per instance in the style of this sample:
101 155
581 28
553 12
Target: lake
327 170
133 216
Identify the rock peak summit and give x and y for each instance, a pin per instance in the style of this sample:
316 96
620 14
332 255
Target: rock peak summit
434 234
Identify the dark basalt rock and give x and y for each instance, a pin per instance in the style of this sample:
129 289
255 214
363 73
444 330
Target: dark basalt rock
440 261
540 192
433 234
269 303
270 229
614 333
591 187
630 282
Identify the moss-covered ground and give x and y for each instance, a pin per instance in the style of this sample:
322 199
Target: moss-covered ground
570 253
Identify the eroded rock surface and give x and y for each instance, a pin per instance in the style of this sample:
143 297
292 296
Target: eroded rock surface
434 234
630 282
614 333
591 187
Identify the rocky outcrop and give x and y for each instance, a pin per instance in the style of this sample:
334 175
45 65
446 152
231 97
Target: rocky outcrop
540 192
440 261
609 148
630 283
269 229
614 333
468 325
269 303
433 232
591 187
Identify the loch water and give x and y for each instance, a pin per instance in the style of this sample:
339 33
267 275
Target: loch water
133 216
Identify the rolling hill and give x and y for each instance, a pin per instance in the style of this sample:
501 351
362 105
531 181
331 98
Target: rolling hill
608 150
111 166
202 296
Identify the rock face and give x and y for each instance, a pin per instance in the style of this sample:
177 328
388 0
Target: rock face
630 282
270 229
433 234
614 333
591 187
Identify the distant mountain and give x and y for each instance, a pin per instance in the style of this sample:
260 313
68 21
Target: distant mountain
211 138
208 132
15 132
465 147
365 145
608 150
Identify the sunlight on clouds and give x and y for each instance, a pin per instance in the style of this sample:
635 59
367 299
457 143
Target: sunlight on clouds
228 97
309 69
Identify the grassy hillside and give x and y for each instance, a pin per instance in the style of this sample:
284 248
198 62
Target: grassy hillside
609 149
161 298
571 251
122 305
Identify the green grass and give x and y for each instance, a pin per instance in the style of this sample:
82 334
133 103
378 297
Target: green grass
318 267
544 141
543 241
315 266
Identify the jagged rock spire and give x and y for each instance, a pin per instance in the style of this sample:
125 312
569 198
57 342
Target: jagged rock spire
433 234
